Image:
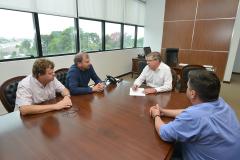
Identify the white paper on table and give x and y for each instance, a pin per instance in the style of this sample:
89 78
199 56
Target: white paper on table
138 92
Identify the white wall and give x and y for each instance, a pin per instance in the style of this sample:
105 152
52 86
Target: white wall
154 18
236 67
111 62
233 48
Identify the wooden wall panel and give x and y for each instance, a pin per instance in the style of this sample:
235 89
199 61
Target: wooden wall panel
177 34
217 9
213 34
183 56
201 29
180 9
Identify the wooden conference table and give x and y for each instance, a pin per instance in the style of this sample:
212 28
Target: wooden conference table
109 126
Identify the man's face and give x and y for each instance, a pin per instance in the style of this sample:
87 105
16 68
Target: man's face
152 63
191 94
85 64
48 76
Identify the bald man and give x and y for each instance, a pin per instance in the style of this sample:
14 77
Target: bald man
80 74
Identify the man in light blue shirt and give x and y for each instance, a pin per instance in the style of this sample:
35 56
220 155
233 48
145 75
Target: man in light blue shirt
207 130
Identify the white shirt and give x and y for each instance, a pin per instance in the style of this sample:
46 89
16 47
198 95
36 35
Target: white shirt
160 79
31 91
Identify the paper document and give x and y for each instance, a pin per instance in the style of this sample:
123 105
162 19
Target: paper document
138 92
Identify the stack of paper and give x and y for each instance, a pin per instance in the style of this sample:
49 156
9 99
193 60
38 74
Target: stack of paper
138 92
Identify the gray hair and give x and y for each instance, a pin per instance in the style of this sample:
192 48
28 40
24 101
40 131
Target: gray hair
154 56
79 57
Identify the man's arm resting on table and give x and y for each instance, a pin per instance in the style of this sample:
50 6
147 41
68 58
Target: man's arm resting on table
171 112
35 109
158 123
65 92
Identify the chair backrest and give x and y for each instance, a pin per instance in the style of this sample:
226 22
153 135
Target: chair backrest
184 76
174 79
61 75
186 69
141 66
8 92
147 50
171 57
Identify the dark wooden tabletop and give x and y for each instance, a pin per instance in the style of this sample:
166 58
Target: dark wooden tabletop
109 126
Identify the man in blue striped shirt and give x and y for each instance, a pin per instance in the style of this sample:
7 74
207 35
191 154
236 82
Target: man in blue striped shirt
79 75
207 130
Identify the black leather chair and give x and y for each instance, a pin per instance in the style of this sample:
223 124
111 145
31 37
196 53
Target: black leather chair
171 57
174 79
141 66
184 77
61 75
8 92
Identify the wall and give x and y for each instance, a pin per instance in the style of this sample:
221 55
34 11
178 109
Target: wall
236 68
112 62
201 29
154 24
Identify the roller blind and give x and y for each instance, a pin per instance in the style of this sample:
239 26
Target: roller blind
55 7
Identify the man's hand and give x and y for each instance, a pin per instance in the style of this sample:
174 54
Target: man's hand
65 103
154 111
98 87
135 87
150 90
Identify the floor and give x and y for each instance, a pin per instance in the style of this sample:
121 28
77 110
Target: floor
229 92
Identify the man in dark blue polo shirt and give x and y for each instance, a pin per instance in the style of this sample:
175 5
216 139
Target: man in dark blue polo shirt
80 74
207 130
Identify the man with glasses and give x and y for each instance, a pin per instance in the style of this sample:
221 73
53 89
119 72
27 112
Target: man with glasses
156 74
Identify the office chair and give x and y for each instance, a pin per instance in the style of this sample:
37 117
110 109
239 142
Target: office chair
61 75
8 93
174 79
147 50
141 66
171 57
184 76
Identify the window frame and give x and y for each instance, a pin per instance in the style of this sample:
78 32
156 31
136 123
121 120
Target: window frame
77 36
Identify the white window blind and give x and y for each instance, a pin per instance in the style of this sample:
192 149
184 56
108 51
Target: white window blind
114 10
126 11
91 9
55 7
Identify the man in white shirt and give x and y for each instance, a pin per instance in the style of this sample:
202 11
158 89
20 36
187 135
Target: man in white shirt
156 74
39 87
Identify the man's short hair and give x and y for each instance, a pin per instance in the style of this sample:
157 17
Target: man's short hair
205 83
40 66
154 56
79 57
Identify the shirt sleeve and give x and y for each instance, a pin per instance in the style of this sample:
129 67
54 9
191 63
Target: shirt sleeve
167 85
94 76
59 87
183 129
23 96
73 85
141 78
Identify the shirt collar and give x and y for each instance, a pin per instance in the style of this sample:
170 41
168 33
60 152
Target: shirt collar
37 82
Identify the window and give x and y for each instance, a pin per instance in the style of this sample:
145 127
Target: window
140 36
112 36
90 35
17 35
129 36
57 34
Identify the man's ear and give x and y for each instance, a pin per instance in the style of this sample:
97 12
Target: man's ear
79 64
193 94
